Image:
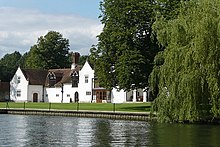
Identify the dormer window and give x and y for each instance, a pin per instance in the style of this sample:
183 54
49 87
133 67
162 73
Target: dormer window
75 79
52 79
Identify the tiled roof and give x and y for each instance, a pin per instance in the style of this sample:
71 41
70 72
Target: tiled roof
62 75
39 77
35 76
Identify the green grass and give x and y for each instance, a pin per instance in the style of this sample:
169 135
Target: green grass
126 107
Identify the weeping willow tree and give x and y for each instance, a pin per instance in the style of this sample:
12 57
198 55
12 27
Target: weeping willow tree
187 73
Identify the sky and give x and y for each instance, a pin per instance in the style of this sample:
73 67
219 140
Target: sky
24 21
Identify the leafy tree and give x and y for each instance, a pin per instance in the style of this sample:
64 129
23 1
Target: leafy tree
168 9
188 71
83 59
51 51
165 10
23 60
125 52
8 65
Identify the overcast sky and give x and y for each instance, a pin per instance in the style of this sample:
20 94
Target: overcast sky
24 21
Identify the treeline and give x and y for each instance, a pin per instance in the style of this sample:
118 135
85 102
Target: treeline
171 46
51 51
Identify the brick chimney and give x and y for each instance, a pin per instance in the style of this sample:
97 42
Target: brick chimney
75 61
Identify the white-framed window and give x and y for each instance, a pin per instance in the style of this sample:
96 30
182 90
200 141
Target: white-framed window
57 95
68 95
19 79
18 93
88 92
86 79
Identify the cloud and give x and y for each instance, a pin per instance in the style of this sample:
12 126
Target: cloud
20 29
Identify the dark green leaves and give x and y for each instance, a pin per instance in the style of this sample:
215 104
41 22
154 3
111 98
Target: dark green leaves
51 51
125 52
8 65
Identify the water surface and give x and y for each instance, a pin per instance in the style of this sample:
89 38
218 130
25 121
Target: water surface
28 130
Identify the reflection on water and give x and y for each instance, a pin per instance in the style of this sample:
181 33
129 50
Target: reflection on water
27 130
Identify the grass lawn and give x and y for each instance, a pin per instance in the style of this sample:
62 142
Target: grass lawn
127 107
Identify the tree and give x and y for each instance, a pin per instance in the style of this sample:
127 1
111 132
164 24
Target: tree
168 9
189 77
83 59
125 52
165 11
8 65
23 60
51 51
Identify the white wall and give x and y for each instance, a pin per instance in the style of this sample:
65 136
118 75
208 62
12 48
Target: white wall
118 96
53 94
35 89
83 86
69 92
22 86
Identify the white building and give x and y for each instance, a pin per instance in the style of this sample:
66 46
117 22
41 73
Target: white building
27 85
75 84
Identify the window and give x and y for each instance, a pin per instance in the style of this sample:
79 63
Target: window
88 92
68 95
19 80
75 79
74 83
57 95
86 79
52 79
18 93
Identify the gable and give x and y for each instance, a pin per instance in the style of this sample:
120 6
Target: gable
87 68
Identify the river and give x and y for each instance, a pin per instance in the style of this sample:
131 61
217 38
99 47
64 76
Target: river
30 130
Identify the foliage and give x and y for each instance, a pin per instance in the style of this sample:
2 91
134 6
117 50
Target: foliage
83 59
168 9
189 79
8 65
23 60
125 51
51 51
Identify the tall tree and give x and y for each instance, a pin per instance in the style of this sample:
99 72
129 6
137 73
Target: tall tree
165 10
8 65
168 9
189 77
23 60
51 51
83 59
125 52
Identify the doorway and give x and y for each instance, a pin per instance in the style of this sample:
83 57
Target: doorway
76 97
35 97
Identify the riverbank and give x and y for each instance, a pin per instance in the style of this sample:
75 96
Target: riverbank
110 107
139 116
